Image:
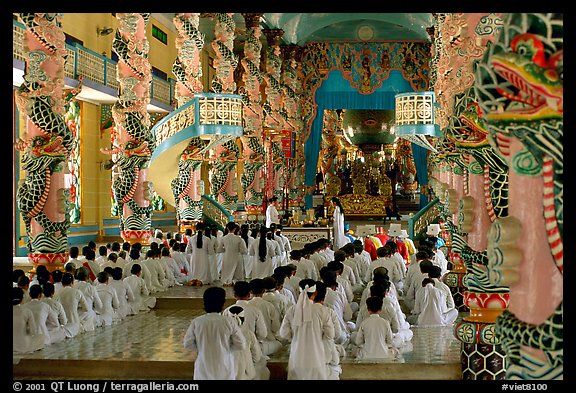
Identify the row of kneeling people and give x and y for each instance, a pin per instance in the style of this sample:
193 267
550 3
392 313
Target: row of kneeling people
44 315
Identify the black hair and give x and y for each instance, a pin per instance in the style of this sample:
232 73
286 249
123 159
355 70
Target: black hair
117 273
48 289
320 291
338 203
35 291
425 265
295 254
134 254
23 281
374 303
74 251
136 268
244 229
17 295
242 289
262 244
57 275
115 246
16 274
434 271
67 279
257 286
81 273
90 254
427 281
199 230
102 251
214 299
102 277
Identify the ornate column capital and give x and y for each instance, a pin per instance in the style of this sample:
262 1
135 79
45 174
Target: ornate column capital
273 36
290 51
251 20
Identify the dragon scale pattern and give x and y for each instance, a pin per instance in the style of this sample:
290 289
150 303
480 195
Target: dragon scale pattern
49 142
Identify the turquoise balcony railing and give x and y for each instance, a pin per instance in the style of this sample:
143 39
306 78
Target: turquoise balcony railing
94 67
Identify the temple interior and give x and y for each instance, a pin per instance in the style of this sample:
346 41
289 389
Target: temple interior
438 134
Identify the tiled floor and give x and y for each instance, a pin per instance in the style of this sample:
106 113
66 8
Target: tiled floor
157 335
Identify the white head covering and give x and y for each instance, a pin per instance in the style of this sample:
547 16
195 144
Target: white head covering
395 230
433 229
237 317
303 313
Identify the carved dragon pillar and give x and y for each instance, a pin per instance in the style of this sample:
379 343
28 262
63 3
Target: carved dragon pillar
133 143
296 178
274 122
223 181
43 199
520 88
252 178
328 152
188 186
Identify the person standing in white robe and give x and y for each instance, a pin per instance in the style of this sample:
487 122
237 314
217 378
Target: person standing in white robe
305 326
272 216
201 248
233 248
338 222
247 259
214 337
25 338
262 251
287 245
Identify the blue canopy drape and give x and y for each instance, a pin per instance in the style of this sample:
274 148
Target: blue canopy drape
336 93
421 162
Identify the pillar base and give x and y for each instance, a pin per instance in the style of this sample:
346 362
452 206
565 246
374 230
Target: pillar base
136 236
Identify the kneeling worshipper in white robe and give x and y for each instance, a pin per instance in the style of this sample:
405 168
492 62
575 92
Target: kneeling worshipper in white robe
305 325
250 362
430 307
374 335
25 338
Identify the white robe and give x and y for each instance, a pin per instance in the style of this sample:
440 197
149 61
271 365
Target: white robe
71 299
307 359
44 316
233 248
374 338
271 215
89 318
339 238
214 337
199 262
142 299
71 329
430 308
109 310
25 338
261 269
248 260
